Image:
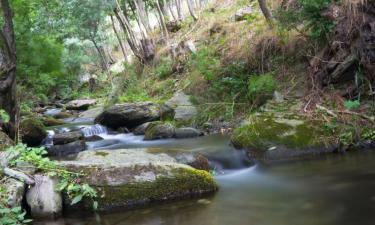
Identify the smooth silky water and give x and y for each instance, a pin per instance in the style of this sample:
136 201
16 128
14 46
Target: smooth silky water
336 189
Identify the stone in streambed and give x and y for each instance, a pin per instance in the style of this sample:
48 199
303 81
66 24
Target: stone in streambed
32 131
67 137
80 104
43 198
141 129
276 137
67 149
196 161
159 130
5 141
187 132
131 115
133 177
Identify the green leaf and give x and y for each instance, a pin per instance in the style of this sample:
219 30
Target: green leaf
76 199
95 205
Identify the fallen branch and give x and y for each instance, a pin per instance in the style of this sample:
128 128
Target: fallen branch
18 175
333 113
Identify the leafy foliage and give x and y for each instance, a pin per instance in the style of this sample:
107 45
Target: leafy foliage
261 87
69 181
205 62
352 104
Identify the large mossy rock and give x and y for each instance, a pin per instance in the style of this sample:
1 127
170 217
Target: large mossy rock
32 131
274 137
133 177
159 130
14 192
131 115
5 141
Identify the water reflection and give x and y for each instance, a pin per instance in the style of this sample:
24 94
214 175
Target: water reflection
332 190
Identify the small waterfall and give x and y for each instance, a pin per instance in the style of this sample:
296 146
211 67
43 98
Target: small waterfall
48 141
94 130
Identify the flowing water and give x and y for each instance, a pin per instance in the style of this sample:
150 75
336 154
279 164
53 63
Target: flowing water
336 189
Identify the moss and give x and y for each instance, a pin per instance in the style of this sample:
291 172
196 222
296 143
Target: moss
157 130
50 121
5 141
32 130
186 182
265 131
99 153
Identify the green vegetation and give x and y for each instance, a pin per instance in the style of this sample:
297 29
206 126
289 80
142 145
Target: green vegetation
69 181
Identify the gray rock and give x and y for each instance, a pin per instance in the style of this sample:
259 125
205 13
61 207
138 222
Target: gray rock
243 13
5 141
80 104
196 161
131 115
141 129
131 177
158 130
94 138
15 190
278 97
43 198
6 157
92 113
187 132
184 109
67 137
67 149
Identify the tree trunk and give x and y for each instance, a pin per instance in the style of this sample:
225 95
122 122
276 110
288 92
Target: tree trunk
141 10
101 52
119 39
191 9
266 12
8 99
129 34
170 7
179 10
162 21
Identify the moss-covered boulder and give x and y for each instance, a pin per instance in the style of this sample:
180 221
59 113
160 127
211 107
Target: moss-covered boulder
133 177
50 121
272 136
32 131
159 130
5 141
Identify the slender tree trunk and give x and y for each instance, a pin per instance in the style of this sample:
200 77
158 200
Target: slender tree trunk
102 55
129 34
141 11
118 38
170 7
8 98
266 12
179 10
164 27
191 9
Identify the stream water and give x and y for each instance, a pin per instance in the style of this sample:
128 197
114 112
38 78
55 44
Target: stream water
335 189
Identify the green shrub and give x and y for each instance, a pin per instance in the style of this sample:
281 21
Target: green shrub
352 104
164 68
205 62
261 87
308 13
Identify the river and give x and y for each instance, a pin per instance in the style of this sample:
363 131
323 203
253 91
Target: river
330 190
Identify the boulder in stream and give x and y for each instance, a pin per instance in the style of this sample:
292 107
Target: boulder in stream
43 198
32 131
131 115
67 137
159 130
134 177
187 132
277 137
141 129
80 104
67 149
